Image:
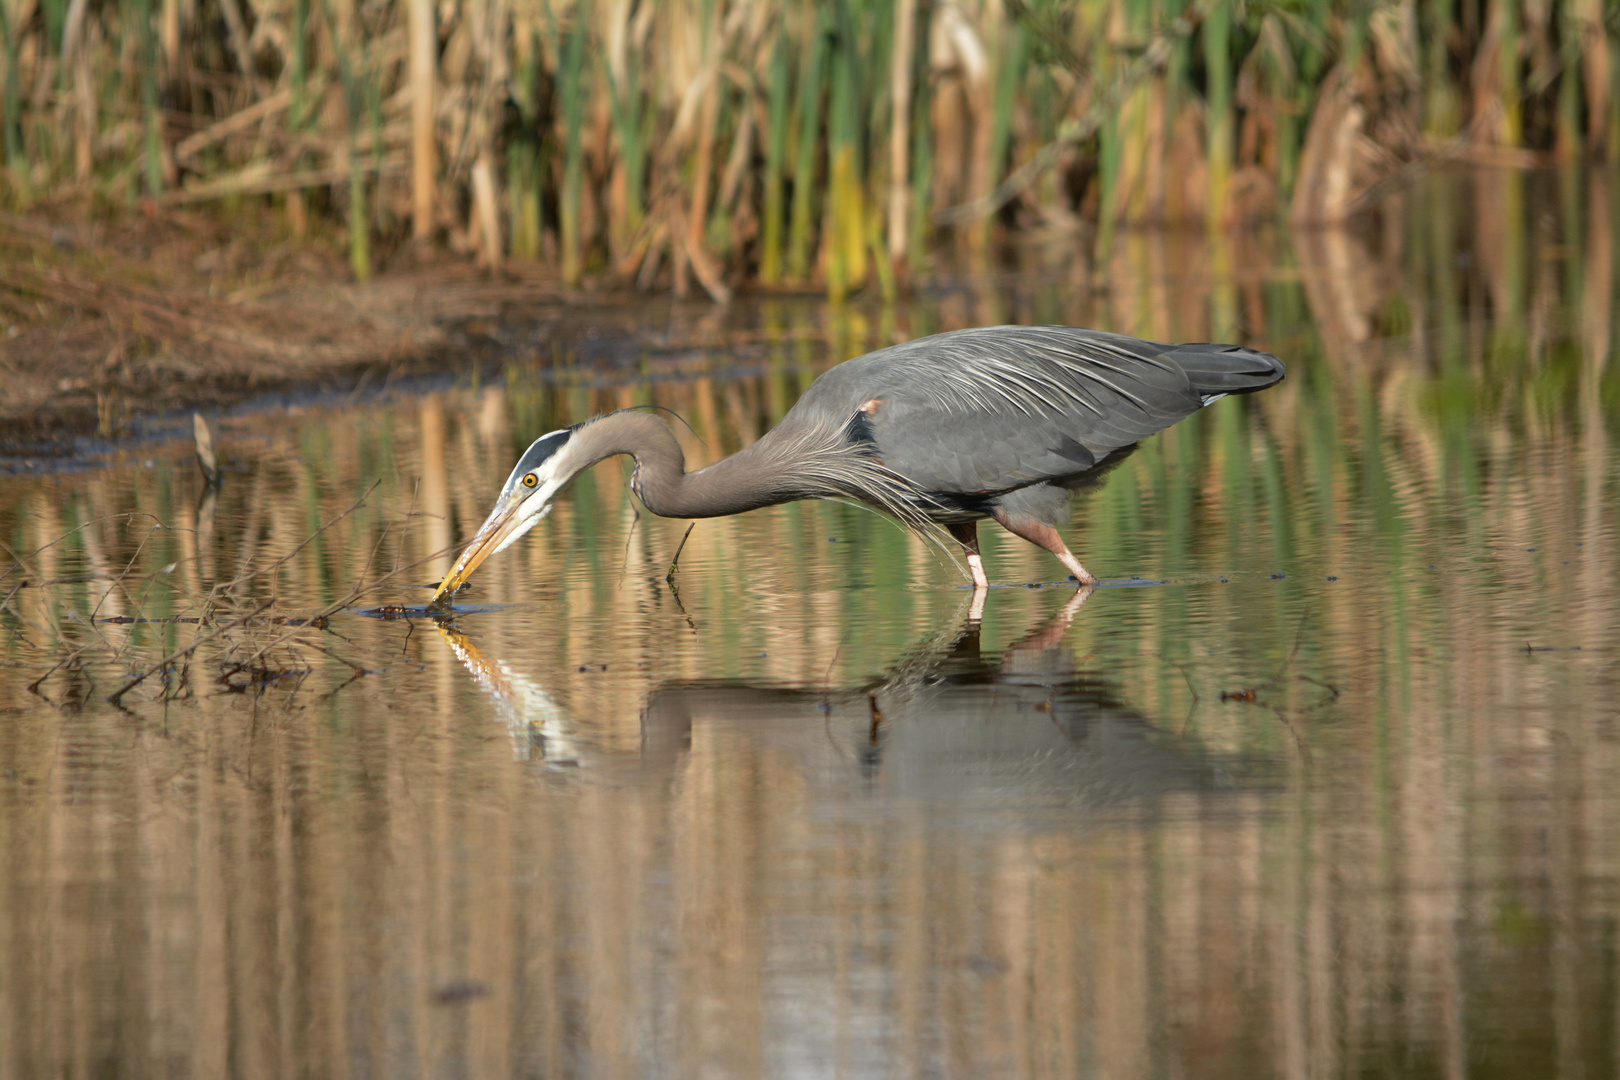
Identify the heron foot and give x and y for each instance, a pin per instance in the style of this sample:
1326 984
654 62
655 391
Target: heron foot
976 568
1085 577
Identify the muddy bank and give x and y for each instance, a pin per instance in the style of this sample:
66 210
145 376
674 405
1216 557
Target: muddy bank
106 321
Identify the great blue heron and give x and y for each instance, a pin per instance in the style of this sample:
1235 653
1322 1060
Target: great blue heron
1000 422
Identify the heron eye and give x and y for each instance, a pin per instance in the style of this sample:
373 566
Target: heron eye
529 479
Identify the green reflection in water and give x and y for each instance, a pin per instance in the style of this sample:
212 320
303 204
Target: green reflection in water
804 817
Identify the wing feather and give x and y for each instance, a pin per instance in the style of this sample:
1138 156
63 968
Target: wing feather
993 409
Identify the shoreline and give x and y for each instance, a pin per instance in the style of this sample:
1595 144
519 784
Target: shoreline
111 325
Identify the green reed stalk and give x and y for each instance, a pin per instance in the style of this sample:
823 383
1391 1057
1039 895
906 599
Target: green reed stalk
523 170
523 197
1309 63
139 12
1217 33
844 218
808 108
359 218
770 267
1178 90
55 13
629 124
571 82
1109 155
1009 76
1441 107
355 102
13 95
1136 120
901 80
1612 121
922 158
1569 84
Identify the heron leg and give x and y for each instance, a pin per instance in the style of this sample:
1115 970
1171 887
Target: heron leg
966 533
1043 535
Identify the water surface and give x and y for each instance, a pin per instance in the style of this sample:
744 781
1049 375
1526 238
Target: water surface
1326 783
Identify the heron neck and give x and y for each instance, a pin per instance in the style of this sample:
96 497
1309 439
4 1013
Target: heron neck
747 480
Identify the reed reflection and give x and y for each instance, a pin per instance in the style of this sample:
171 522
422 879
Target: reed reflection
822 822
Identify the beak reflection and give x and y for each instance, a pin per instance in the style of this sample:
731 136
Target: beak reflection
539 726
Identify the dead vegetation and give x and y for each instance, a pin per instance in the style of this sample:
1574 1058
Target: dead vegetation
698 144
233 636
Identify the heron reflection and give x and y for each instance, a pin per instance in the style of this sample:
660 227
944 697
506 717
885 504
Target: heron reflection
950 714
956 724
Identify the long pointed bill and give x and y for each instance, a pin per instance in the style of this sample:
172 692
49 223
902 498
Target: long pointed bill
502 523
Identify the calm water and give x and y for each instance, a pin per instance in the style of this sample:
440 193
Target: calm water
1327 786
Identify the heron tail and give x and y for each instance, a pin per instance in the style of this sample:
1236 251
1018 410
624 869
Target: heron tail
1216 370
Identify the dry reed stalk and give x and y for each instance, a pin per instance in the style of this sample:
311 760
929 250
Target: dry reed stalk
703 155
187 149
76 57
485 207
1588 24
1496 73
236 28
767 103
424 50
488 34
624 197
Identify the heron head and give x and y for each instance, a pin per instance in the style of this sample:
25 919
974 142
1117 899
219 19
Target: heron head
526 497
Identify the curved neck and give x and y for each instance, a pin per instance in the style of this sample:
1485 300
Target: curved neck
747 480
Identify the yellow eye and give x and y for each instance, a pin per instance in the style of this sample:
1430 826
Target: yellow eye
529 479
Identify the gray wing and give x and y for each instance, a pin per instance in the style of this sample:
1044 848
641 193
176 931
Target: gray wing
997 408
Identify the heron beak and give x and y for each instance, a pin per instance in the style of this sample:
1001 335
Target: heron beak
501 523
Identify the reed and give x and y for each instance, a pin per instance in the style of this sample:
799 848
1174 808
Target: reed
1009 74
571 52
807 111
922 161
524 158
777 111
630 128
814 124
12 118
1218 108
843 233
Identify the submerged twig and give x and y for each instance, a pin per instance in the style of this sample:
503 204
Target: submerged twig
219 629
674 562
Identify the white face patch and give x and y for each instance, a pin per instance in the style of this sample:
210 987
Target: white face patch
534 483
536 505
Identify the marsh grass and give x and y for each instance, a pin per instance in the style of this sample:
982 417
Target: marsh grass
766 139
